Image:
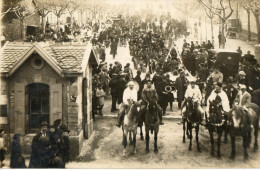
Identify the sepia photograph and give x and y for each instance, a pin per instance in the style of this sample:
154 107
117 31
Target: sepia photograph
130 84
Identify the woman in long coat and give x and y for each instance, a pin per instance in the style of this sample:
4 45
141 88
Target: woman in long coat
181 86
17 160
113 48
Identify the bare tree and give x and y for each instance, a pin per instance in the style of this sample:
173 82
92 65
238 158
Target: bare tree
43 8
254 7
211 16
59 8
72 7
223 9
23 11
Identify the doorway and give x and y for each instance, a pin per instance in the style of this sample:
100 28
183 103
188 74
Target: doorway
38 105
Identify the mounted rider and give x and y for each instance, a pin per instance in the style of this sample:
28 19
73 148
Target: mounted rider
149 94
194 93
223 96
129 96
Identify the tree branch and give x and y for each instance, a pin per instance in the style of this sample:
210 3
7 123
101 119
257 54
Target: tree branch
208 7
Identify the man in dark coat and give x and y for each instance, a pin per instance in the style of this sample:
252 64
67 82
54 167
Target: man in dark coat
113 48
113 84
40 148
231 91
17 160
65 145
181 86
139 81
121 87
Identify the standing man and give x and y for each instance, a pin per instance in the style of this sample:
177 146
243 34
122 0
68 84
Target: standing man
40 156
181 86
114 91
113 48
129 96
217 76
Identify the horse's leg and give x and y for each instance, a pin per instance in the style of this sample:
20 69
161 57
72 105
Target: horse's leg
249 137
219 130
211 134
245 144
125 143
226 133
147 140
130 138
256 136
197 137
233 145
141 133
123 135
134 141
155 141
190 129
183 140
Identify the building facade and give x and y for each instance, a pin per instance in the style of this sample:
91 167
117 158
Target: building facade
45 82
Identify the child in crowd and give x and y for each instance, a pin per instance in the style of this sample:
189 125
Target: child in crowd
2 148
100 94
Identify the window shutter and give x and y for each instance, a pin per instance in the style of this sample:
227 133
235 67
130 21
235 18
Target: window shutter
19 100
55 102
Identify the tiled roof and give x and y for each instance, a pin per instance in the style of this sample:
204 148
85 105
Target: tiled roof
68 57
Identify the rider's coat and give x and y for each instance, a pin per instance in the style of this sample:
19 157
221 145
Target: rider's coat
149 94
224 100
193 93
129 94
243 99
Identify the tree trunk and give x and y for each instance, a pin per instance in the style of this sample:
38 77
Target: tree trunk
212 31
248 23
257 26
22 28
43 24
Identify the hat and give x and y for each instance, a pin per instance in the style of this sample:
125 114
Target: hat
242 73
242 86
57 122
44 123
64 128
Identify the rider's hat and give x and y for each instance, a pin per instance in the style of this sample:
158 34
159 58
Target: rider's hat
242 73
130 83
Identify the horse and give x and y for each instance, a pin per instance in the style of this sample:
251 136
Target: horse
240 121
130 124
215 123
193 119
152 123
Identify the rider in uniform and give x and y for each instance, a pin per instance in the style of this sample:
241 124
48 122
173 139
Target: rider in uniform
129 96
193 92
222 94
149 94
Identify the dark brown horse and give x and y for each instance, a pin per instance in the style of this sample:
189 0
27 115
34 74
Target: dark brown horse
215 123
193 118
130 124
240 121
152 123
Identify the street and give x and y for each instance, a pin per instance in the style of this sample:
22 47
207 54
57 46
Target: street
104 150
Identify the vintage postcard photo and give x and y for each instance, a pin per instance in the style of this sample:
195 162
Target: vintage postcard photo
130 84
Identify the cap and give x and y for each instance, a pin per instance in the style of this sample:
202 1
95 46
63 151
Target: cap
57 122
242 73
44 123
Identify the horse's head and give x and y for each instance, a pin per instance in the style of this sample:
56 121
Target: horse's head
237 117
134 108
215 110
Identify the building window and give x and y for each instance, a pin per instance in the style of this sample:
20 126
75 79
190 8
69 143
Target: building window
38 104
37 62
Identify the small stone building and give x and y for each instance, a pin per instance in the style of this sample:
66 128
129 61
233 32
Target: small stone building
45 82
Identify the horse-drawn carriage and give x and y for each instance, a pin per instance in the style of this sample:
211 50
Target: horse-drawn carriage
226 60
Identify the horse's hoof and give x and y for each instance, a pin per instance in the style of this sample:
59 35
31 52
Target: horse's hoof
212 153
246 158
156 151
142 138
134 152
183 141
189 148
219 156
232 157
226 141
255 148
199 150
147 151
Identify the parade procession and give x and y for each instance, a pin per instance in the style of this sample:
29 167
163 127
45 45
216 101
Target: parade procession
138 84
